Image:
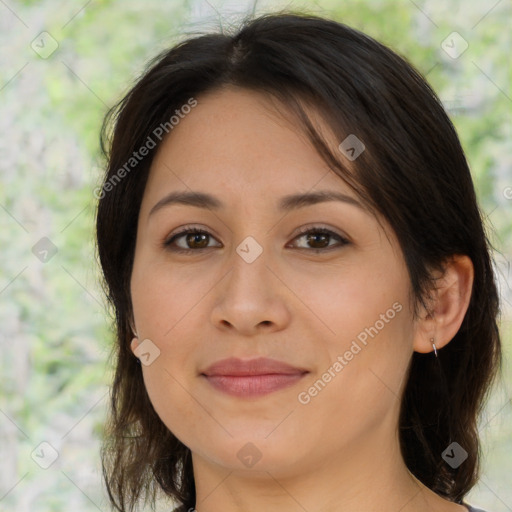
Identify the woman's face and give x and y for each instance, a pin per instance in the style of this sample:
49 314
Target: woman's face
337 312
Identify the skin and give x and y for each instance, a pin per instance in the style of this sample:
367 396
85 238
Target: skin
340 451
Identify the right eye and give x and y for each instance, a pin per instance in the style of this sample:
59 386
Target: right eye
193 238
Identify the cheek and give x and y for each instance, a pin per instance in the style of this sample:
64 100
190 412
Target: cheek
368 343
172 401
172 321
359 389
361 300
162 295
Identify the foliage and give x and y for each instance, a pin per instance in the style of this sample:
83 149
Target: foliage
55 333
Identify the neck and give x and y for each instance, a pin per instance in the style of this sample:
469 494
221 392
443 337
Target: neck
369 475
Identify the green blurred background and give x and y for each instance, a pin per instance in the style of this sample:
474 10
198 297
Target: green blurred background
62 64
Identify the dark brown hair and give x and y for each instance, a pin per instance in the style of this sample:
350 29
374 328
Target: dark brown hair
413 173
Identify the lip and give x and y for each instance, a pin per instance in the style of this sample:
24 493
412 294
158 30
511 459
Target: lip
254 377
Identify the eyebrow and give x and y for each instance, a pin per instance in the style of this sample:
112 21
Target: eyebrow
286 203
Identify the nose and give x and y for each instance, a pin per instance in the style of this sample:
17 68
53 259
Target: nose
251 299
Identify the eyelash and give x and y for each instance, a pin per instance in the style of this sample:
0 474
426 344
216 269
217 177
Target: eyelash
167 244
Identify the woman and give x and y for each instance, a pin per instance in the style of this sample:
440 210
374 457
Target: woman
306 311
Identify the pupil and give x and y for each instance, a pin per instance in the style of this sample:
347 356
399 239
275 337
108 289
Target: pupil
314 238
193 238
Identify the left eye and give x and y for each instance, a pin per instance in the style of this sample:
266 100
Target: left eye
320 239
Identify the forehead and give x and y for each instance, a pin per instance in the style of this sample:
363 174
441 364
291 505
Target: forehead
237 140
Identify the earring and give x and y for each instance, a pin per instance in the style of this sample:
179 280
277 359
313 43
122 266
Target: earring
434 345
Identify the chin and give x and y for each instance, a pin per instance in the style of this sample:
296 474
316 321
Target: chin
248 453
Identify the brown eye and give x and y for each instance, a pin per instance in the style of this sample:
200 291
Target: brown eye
319 239
191 240
201 239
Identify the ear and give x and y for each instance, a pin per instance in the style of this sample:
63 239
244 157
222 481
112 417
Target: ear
450 301
133 345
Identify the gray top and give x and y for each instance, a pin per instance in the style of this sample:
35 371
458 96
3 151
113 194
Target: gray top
472 509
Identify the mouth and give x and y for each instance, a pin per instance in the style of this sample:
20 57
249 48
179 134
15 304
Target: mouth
253 385
252 378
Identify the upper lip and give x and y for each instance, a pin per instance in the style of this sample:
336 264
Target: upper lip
259 366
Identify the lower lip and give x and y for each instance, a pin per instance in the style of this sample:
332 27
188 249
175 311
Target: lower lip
253 385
